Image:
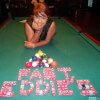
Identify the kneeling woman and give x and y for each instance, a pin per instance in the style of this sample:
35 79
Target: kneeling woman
39 28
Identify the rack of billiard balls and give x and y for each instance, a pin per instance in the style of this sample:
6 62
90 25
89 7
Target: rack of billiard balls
40 59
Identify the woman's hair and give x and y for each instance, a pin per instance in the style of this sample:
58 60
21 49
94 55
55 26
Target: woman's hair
41 7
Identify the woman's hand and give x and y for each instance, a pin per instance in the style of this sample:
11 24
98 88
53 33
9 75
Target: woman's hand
29 44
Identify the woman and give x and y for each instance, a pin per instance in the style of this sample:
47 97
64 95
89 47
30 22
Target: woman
39 28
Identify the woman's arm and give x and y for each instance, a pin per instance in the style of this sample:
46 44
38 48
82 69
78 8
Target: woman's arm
29 32
50 34
31 36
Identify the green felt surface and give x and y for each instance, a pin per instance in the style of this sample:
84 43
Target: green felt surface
67 48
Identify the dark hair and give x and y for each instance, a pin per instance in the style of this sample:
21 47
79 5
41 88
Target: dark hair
41 7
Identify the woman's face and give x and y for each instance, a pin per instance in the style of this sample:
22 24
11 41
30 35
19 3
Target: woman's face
40 20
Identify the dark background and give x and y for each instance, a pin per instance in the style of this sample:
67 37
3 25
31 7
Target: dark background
77 11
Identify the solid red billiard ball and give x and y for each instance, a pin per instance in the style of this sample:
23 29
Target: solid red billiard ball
28 64
54 64
38 60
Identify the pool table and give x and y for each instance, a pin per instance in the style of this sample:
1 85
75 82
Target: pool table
69 47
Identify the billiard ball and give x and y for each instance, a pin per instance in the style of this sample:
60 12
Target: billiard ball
38 60
28 64
40 57
44 60
50 60
43 55
37 55
54 64
40 53
34 64
34 58
47 64
41 64
30 60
